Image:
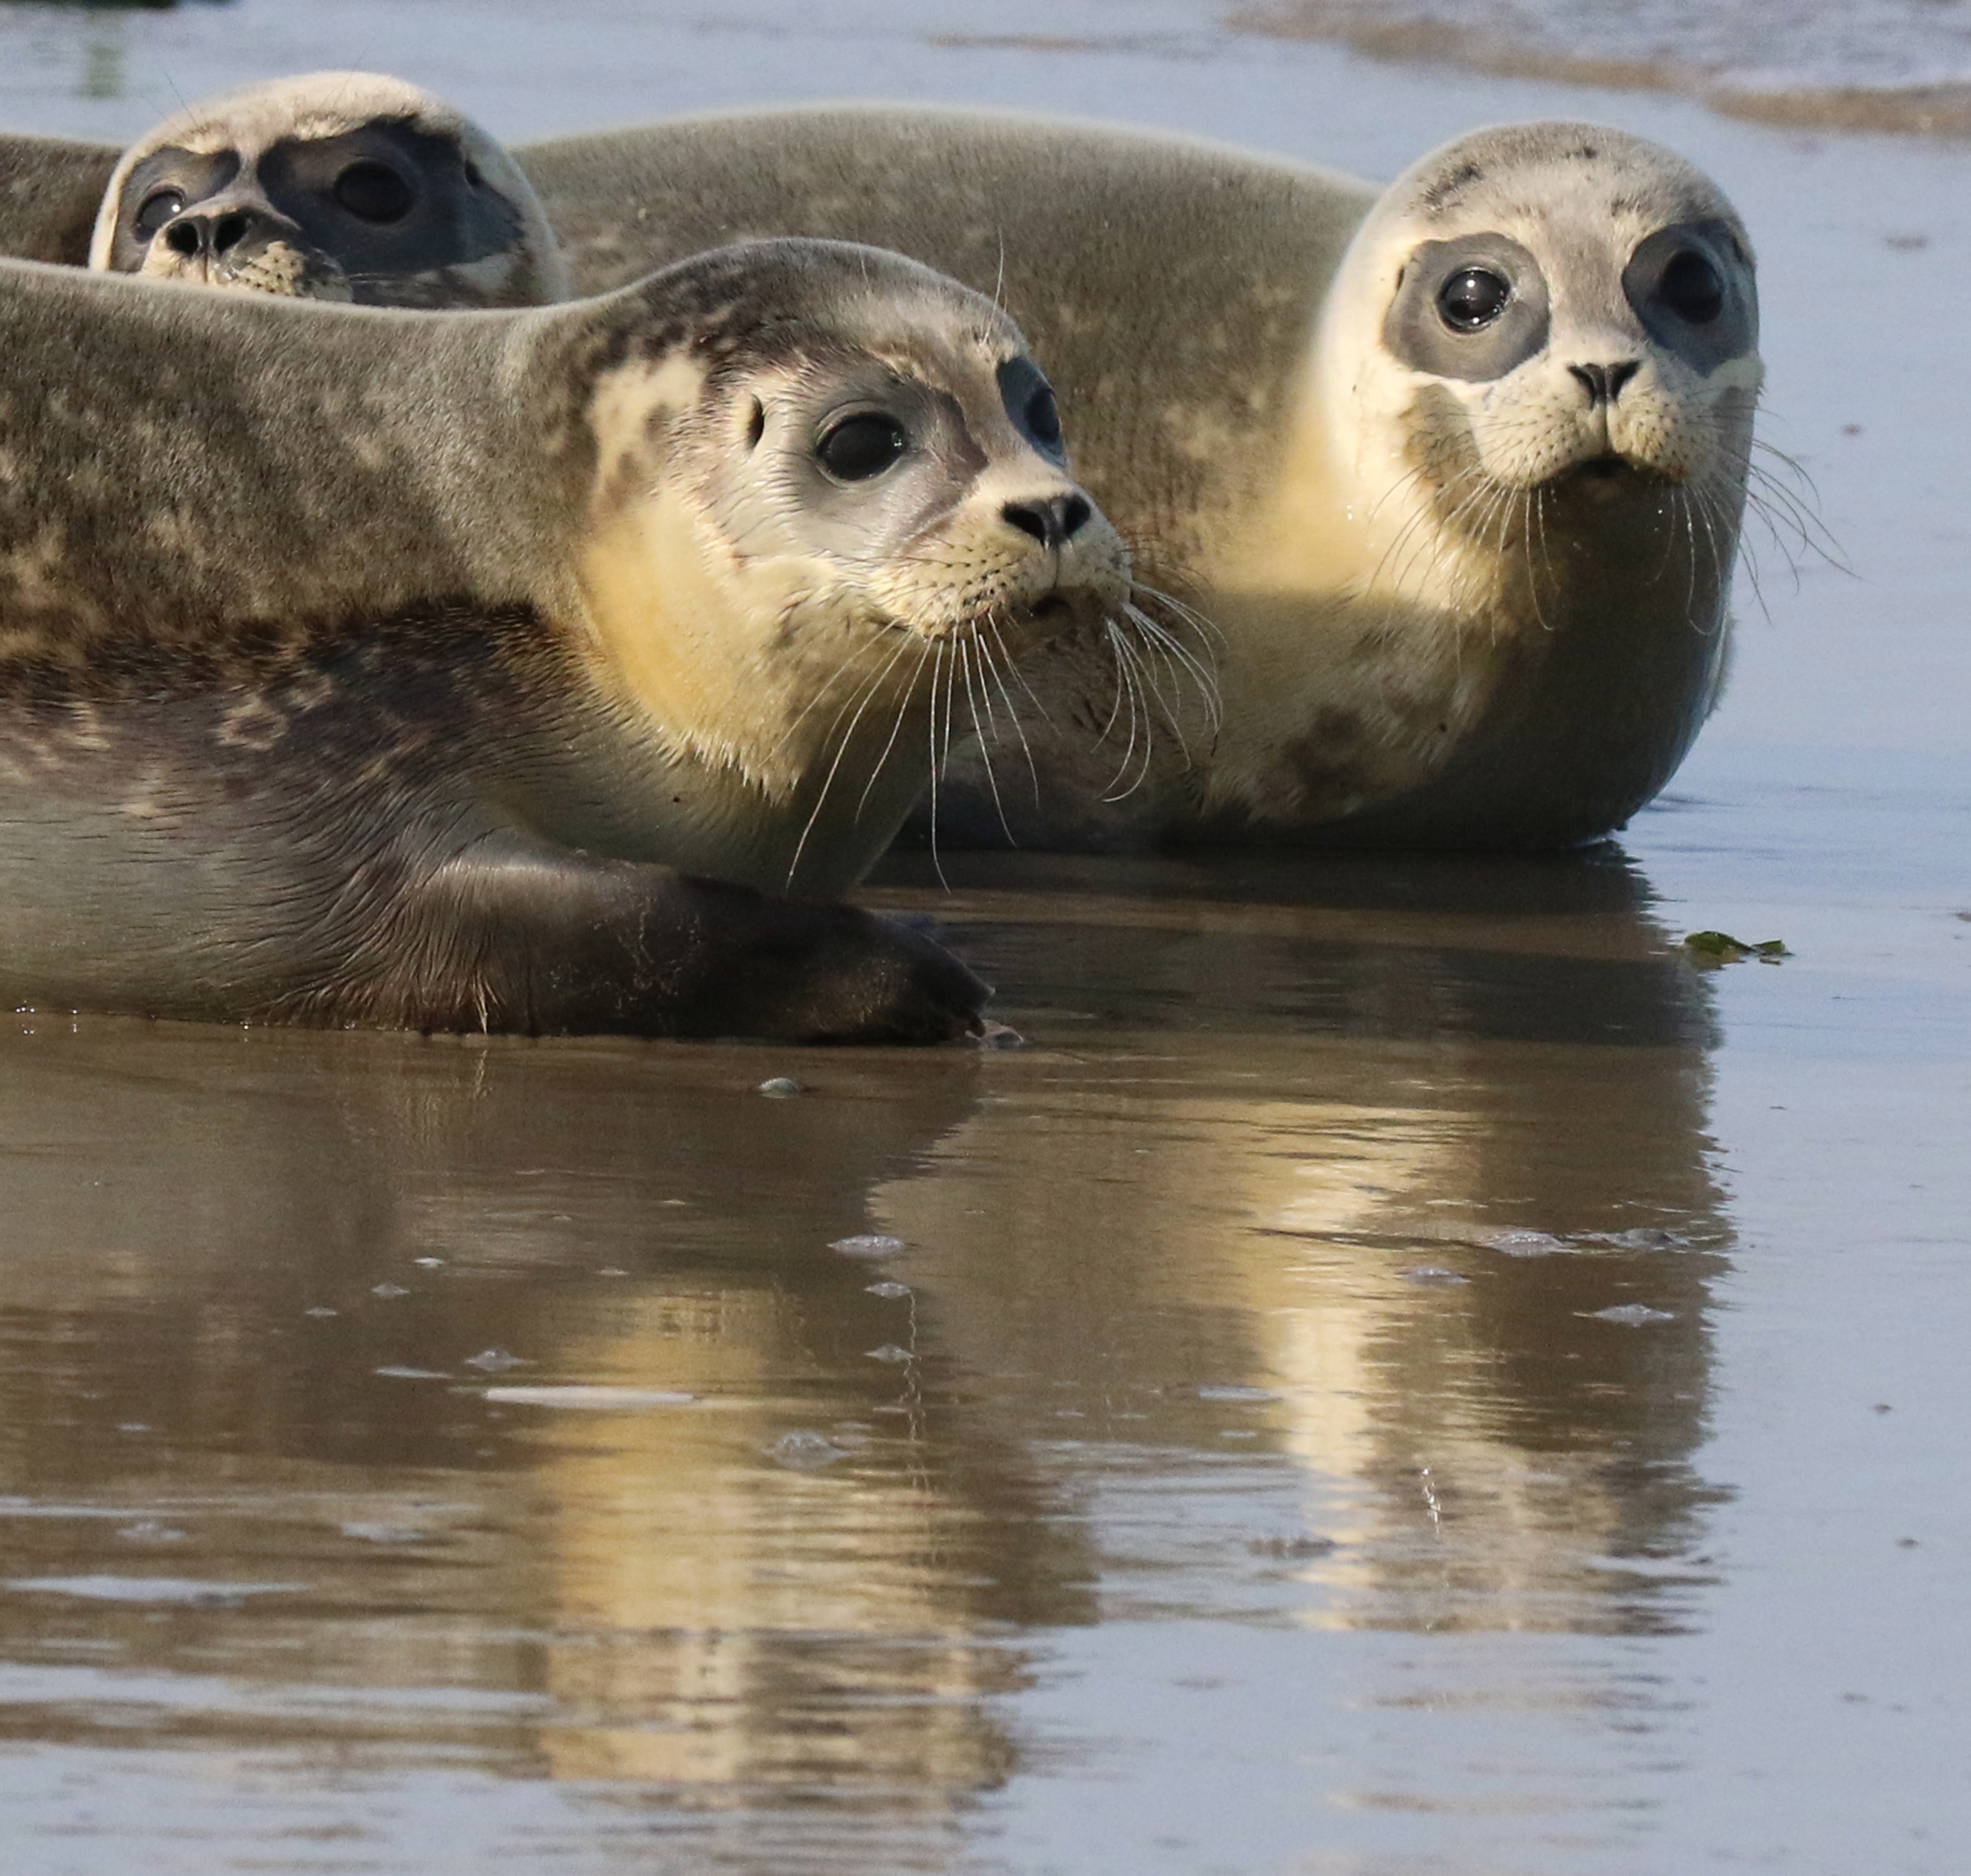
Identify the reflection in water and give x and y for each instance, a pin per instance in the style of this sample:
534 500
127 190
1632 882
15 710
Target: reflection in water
1471 1122
1263 1287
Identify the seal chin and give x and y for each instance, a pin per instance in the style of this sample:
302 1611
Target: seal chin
1605 473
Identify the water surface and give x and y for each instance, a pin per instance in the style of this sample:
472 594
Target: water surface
1409 1375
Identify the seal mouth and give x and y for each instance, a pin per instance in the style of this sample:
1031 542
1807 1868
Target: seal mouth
1610 475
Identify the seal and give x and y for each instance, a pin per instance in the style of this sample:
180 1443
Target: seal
337 186
50 192
507 671
1455 469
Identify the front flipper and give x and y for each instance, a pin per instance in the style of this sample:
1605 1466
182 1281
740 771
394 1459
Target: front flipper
512 934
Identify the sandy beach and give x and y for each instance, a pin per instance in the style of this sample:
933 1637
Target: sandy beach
1410 1374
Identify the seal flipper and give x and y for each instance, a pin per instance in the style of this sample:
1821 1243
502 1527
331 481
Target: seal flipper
513 934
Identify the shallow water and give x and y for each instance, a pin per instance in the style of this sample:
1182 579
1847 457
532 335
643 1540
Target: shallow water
1233 1465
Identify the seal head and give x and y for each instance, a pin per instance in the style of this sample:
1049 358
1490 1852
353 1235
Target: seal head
1542 316
826 524
339 186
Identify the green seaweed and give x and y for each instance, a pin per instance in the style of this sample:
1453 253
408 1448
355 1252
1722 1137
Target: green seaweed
1720 947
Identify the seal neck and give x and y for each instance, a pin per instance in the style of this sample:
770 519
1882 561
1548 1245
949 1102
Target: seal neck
183 461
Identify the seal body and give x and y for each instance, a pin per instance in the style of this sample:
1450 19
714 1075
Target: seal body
50 194
338 185
540 670
1468 584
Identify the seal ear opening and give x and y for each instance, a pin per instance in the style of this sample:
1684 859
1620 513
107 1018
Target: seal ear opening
756 426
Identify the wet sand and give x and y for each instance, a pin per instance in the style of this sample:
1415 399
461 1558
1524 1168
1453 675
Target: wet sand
1408 1375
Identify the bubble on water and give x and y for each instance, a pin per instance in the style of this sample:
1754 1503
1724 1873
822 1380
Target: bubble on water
887 1288
387 1290
805 1451
866 1244
779 1088
1428 1274
394 1373
152 1589
1291 1549
324 1310
1232 1391
1527 1244
427 1263
889 1352
151 1531
1629 1315
384 1532
593 1399
1644 1238
496 1361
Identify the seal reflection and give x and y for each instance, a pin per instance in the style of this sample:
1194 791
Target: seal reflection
1385 1137
1162 1339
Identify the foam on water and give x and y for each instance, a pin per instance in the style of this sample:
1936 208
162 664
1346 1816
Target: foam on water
1851 64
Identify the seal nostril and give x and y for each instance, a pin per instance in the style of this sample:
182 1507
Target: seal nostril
1603 383
1049 522
1028 520
182 236
229 233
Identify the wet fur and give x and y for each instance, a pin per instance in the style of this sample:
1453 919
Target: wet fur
1502 691
300 704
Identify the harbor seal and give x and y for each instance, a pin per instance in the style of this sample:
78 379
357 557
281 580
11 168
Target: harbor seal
50 194
1455 467
503 671
338 186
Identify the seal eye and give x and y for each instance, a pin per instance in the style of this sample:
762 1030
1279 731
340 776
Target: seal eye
1472 298
157 209
862 447
1692 289
374 192
1044 418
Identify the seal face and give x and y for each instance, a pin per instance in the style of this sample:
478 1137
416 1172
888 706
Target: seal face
1532 394
642 630
1455 469
808 552
1590 311
339 185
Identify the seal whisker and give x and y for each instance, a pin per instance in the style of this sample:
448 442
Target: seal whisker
903 704
835 677
1143 654
1139 712
937 671
1186 614
996 661
842 751
965 646
1536 545
1181 662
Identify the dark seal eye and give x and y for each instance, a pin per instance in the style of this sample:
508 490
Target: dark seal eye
1472 298
157 209
861 447
1044 418
1692 289
374 192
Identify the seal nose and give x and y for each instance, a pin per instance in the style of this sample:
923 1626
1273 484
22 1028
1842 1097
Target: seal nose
196 231
1604 382
1051 522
